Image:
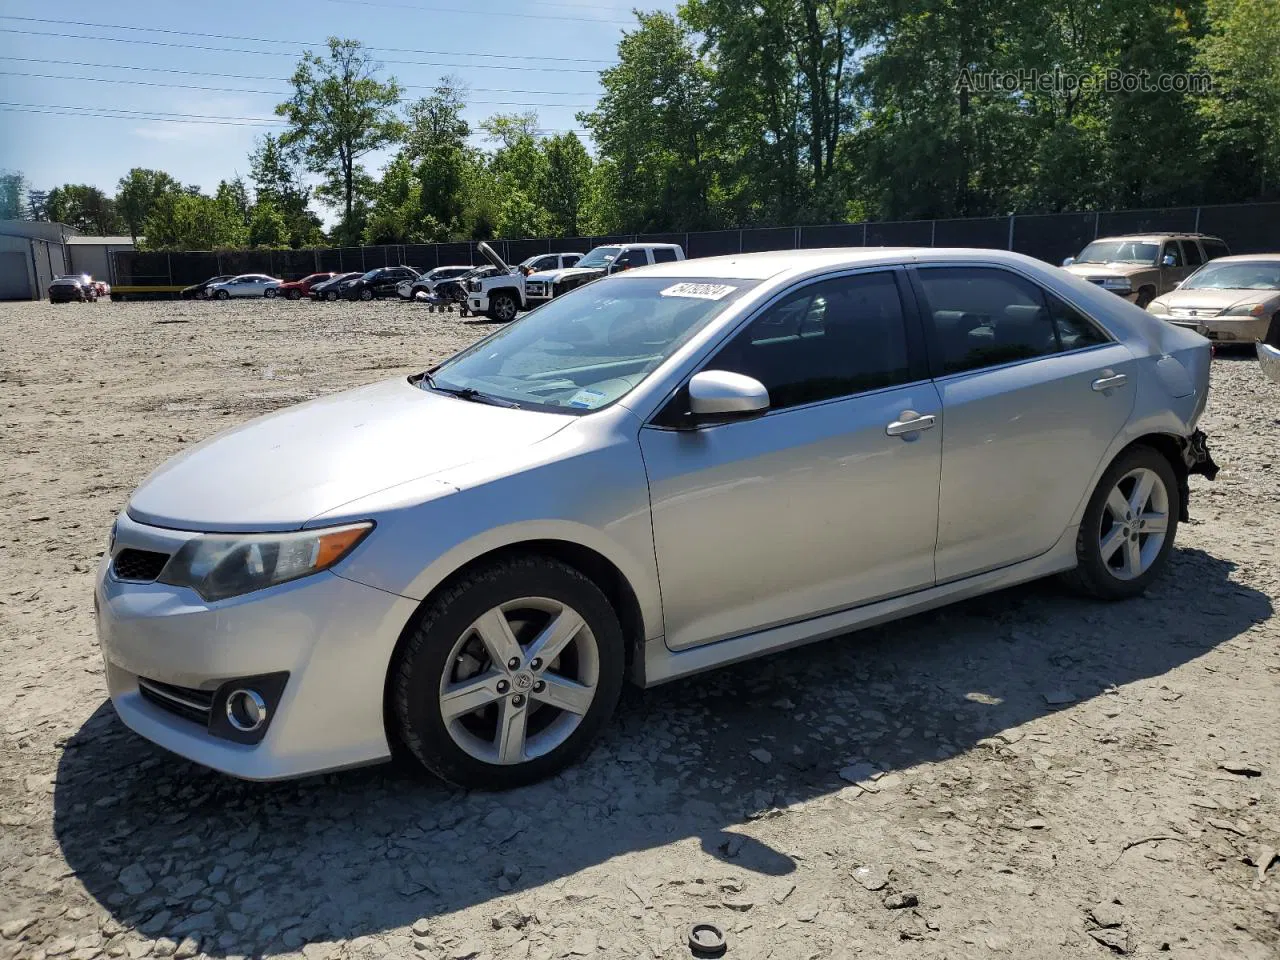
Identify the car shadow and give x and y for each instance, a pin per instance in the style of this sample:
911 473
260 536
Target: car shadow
255 869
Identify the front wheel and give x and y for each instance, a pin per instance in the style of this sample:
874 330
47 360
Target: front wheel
502 307
366 294
295 294
509 675
269 293
1129 526
223 295
1145 296
331 295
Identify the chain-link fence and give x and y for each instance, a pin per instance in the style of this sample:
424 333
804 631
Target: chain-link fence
1246 228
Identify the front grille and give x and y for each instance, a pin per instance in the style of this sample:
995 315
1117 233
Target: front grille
1194 311
141 566
187 703
536 289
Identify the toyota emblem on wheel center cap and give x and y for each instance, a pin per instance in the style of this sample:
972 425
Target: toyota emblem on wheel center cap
523 681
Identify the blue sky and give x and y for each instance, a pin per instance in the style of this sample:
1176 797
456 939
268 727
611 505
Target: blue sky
557 46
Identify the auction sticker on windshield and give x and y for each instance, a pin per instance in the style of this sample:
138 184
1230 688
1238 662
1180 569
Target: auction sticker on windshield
587 399
699 291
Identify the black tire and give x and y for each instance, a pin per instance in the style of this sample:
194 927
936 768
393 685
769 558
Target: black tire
503 307
1092 576
458 295
419 664
223 295
294 294
366 294
331 295
269 293
1145 296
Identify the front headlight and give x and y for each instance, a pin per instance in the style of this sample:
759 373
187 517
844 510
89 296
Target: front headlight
218 566
1245 310
1117 284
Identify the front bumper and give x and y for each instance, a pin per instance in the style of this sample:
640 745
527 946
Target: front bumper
477 303
1222 329
332 637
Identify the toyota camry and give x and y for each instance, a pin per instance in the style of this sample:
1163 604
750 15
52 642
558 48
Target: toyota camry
667 470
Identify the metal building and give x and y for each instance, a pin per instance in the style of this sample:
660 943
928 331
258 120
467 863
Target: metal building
31 255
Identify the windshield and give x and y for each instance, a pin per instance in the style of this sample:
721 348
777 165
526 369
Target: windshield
371 275
1259 275
1119 251
590 347
599 257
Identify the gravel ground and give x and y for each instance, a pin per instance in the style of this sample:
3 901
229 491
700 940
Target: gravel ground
1029 774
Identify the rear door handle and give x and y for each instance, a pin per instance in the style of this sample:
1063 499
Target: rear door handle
1108 380
910 423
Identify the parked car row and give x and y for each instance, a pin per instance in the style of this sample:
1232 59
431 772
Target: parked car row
78 288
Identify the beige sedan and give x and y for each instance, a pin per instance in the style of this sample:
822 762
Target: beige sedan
1231 299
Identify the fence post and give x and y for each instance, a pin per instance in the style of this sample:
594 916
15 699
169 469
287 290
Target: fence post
1096 218
1012 219
864 233
933 233
1196 228
739 241
168 265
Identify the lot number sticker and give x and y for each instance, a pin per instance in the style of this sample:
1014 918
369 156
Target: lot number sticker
700 291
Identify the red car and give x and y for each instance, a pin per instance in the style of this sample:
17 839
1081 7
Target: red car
297 289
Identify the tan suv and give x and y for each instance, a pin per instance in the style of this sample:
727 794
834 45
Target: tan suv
1143 266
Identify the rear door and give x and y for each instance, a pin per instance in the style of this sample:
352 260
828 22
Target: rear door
827 501
1033 392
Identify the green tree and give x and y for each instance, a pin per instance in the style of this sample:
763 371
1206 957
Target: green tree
267 226
1241 53
277 178
86 208
341 111
193 221
566 184
13 195
651 125
137 192
396 215
445 166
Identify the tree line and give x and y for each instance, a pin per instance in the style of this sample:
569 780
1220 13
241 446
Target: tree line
737 113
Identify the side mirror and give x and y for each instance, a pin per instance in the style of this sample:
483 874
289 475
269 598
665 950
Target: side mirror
1167 260
719 394
1069 261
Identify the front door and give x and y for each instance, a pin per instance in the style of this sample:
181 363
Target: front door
1170 277
1033 393
827 501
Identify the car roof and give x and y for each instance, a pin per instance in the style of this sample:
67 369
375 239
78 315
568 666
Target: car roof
762 266
1248 258
1164 235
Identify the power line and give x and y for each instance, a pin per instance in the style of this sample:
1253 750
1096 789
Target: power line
297 42
72 110
272 93
241 76
283 53
487 13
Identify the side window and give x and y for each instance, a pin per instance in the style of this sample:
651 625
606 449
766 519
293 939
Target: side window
1214 249
983 317
571 259
1191 253
829 339
1075 331
633 257
1171 249
663 255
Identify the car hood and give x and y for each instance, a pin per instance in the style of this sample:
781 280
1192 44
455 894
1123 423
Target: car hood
552 276
491 255
1106 269
281 470
1206 299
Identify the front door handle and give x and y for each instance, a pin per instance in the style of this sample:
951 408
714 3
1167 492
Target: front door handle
1108 380
910 423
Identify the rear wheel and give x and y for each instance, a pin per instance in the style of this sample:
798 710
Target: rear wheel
509 675
1129 526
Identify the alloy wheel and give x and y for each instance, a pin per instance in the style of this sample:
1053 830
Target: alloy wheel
504 308
519 681
1135 521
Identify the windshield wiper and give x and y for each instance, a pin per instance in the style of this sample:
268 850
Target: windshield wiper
470 393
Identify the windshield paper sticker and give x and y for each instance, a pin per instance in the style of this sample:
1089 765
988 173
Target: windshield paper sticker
700 291
586 399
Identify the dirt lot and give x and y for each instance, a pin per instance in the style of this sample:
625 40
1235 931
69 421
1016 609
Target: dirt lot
1042 776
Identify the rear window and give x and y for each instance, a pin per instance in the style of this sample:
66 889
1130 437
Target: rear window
663 255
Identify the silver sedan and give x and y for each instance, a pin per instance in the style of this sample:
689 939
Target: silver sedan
661 472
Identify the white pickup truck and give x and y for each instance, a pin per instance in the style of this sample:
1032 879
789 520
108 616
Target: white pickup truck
502 296
602 261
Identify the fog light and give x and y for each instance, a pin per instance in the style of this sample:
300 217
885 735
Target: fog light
246 710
